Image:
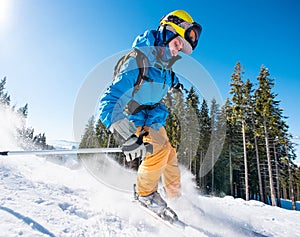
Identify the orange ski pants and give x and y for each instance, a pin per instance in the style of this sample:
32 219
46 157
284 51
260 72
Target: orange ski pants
161 163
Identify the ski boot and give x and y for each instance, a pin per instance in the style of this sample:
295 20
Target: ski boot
155 203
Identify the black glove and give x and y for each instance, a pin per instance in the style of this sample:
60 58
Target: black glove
179 88
134 148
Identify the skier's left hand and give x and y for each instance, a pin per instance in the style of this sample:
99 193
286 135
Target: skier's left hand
134 148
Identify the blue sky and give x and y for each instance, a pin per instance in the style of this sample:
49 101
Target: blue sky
47 48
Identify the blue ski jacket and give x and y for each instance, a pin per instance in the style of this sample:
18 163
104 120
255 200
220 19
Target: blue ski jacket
149 94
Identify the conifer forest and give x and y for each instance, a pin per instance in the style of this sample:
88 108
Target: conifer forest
241 148
26 137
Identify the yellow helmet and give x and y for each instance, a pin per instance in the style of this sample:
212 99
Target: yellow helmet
185 27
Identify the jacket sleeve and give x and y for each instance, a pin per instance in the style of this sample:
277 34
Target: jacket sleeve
119 93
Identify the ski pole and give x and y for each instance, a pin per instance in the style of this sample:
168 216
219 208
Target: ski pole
57 152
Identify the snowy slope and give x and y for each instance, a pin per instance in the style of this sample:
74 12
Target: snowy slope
42 198
60 197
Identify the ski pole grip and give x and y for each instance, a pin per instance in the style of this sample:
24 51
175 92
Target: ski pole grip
3 153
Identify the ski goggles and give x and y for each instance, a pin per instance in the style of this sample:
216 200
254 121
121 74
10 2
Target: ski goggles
189 31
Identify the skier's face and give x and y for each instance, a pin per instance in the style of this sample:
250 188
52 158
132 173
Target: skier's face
175 46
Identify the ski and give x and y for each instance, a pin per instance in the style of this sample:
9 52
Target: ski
178 226
167 215
170 219
65 152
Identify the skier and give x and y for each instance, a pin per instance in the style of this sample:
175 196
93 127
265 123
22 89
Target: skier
133 110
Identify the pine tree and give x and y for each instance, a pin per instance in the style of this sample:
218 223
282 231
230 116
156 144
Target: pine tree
173 102
291 169
213 140
255 126
297 178
192 131
255 180
23 111
89 138
220 166
264 98
224 167
4 97
240 111
278 133
176 124
104 136
40 141
229 143
180 124
205 133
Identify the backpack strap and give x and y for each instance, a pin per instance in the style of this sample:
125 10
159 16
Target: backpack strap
120 63
142 63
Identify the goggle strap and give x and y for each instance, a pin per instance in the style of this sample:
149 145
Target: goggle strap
164 36
177 28
165 42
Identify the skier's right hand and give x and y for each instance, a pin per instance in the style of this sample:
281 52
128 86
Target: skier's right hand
122 130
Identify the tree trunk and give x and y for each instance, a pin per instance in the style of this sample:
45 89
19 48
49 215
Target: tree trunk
190 154
212 172
245 161
108 140
285 193
277 177
292 196
200 171
269 164
298 192
231 172
265 170
261 193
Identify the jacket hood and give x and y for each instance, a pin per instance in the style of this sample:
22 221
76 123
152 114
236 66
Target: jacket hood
151 41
